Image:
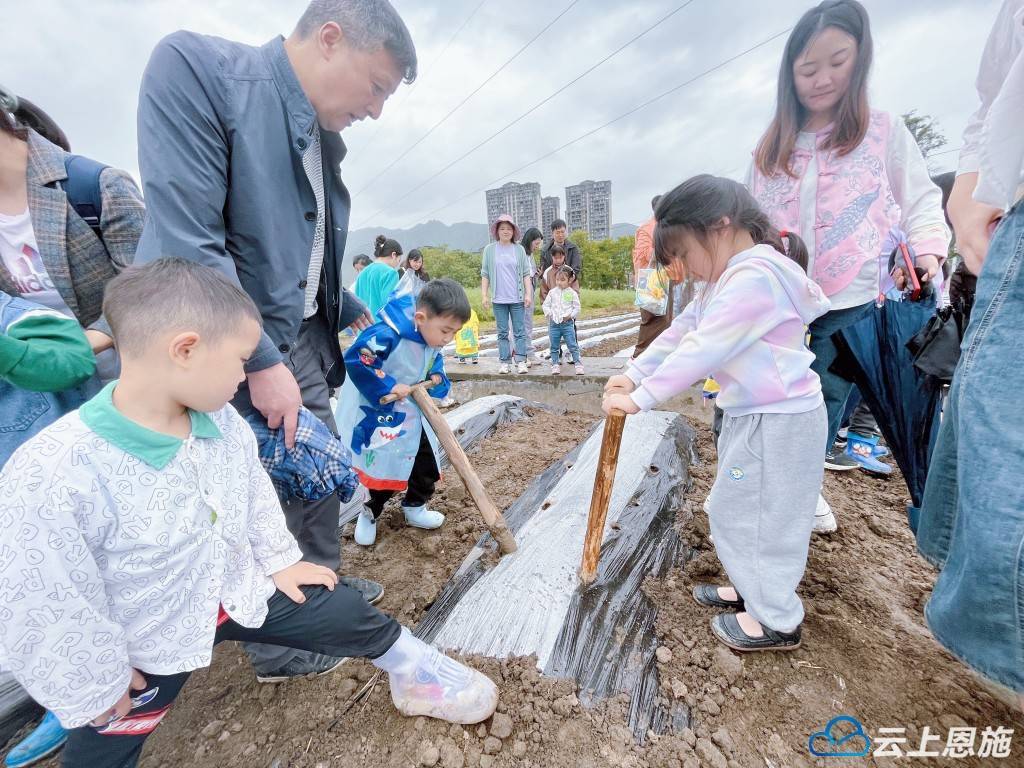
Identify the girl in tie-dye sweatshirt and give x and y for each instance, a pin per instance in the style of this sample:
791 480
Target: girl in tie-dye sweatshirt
746 327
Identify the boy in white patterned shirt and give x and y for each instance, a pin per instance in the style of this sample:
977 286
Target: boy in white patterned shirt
145 530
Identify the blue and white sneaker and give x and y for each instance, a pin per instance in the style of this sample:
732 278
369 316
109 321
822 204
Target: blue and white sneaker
861 449
47 738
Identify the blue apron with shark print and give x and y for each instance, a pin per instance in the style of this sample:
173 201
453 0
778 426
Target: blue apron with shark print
385 439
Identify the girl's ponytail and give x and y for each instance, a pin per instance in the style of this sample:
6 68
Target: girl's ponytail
795 248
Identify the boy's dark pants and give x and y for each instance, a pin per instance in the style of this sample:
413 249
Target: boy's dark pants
314 524
422 479
338 623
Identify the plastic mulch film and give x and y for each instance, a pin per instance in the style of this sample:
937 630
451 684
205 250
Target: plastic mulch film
531 602
471 423
16 707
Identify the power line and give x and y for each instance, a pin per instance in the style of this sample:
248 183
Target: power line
472 93
410 89
558 91
943 152
591 132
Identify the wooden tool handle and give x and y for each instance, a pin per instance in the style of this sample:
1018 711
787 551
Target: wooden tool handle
611 441
388 399
492 516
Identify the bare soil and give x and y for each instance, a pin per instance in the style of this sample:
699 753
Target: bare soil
866 652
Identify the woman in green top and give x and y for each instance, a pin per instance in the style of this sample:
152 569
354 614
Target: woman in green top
376 282
506 282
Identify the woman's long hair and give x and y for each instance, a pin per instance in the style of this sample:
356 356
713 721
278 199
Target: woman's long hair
775 150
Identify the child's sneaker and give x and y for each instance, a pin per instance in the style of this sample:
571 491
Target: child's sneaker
556 369
421 517
366 528
504 368
862 450
46 739
425 682
824 517
579 369
523 367
475 360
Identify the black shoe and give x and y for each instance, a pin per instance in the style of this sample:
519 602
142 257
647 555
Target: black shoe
839 461
707 594
371 591
303 665
727 629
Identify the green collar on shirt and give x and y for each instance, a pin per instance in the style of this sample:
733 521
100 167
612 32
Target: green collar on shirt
155 448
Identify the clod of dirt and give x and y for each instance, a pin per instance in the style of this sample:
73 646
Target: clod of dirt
723 739
711 755
678 688
492 746
727 664
451 754
427 755
519 750
664 654
501 726
212 729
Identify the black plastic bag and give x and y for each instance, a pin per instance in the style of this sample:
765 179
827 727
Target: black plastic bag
936 347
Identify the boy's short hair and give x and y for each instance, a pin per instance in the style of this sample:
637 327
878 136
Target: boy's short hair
173 294
444 296
558 224
556 248
363 259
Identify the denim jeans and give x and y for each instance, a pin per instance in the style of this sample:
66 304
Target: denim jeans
556 333
972 515
503 313
834 388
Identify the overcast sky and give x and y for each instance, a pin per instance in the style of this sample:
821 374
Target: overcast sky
82 61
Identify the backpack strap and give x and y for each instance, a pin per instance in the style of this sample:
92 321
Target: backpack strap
83 189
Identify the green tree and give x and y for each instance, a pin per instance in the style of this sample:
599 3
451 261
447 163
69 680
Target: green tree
925 130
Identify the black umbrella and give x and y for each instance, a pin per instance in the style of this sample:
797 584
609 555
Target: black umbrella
873 354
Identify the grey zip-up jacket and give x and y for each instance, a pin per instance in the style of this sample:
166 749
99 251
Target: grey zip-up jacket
222 129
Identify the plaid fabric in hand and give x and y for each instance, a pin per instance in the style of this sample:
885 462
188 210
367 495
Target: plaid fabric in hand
316 467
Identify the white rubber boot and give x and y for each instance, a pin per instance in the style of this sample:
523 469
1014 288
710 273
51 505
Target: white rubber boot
366 528
425 682
421 517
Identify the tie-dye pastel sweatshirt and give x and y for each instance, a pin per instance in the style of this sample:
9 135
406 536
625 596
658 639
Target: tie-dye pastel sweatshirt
747 330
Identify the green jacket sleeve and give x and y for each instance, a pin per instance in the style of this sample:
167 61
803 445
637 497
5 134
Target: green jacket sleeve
43 351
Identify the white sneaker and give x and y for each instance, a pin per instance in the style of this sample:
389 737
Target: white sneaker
556 370
824 518
504 368
425 682
366 528
523 367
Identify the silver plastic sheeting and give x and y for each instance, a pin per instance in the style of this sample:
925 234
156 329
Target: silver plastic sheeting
531 602
541 331
587 338
16 707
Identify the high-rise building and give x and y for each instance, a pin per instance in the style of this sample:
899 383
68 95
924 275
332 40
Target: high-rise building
551 209
520 201
588 206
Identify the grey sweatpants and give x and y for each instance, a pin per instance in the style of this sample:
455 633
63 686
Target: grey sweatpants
761 508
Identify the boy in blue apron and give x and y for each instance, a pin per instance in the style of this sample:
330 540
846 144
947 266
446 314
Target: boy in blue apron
393 447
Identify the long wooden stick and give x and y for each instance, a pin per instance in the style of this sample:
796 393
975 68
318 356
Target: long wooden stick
492 516
611 440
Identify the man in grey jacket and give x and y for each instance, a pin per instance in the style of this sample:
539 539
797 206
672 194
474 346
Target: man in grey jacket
239 151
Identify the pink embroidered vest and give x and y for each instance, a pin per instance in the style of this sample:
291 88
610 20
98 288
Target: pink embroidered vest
855 208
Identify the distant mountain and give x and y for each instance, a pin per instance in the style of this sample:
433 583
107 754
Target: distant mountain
461 236
623 230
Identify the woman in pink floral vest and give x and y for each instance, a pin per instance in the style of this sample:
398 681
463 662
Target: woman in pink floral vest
843 177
